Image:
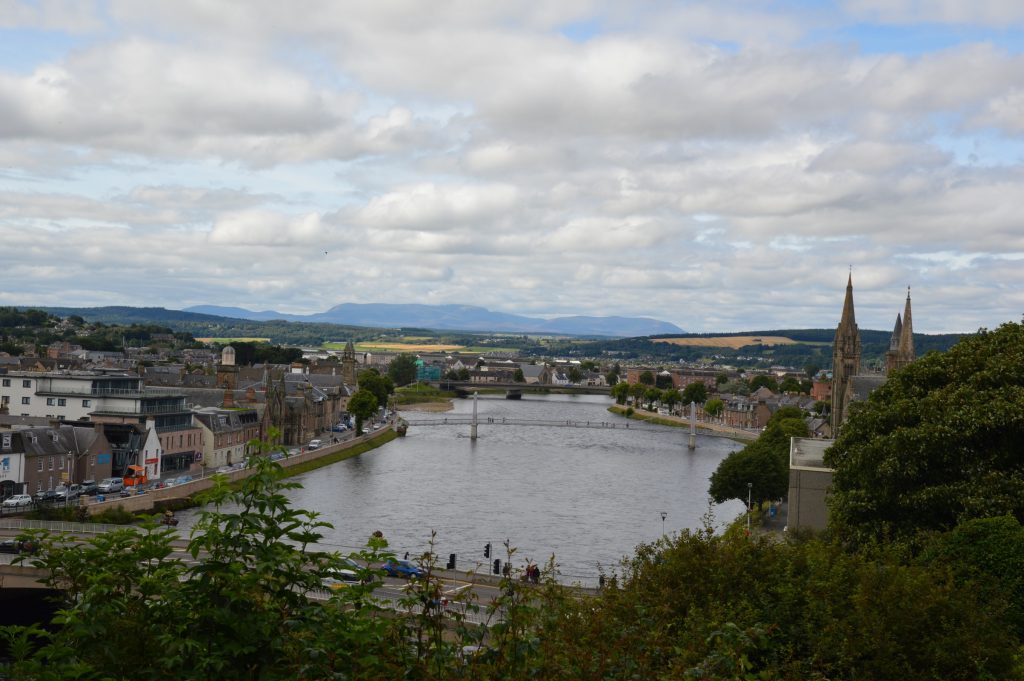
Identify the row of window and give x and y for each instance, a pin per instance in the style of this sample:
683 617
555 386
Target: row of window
60 462
27 383
50 401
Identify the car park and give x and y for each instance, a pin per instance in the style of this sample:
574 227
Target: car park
110 485
17 501
395 567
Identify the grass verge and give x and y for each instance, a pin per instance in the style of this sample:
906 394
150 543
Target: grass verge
374 442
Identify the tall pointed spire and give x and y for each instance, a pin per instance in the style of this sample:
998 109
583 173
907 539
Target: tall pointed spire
846 350
907 334
897 334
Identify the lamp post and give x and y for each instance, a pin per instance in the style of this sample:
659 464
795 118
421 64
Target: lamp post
750 486
664 514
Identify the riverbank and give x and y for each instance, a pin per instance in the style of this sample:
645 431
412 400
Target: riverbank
737 434
434 406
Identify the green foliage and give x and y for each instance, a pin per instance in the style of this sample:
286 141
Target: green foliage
669 397
519 377
695 392
402 370
379 386
247 352
736 386
663 381
764 462
714 407
937 445
620 391
646 378
764 381
574 374
362 405
790 385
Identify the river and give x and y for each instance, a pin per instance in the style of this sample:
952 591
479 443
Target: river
588 496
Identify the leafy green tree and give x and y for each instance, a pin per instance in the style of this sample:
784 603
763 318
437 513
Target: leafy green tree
519 377
402 370
714 407
651 395
790 385
380 386
670 398
763 380
663 381
735 387
636 391
721 378
574 374
937 445
822 408
811 370
362 405
611 378
764 462
646 378
620 391
695 392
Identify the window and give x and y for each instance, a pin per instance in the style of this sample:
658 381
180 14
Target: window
50 402
92 460
26 400
51 463
39 463
61 402
7 383
26 383
6 399
86 403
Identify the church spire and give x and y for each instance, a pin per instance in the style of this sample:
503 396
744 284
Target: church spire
907 334
846 351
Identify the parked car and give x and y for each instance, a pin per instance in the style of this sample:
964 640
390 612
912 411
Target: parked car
348 573
17 501
45 496
276 456
90 487
110 485
314 444
395 567
17 546
68 493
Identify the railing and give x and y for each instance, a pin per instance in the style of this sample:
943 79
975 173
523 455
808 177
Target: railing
21 524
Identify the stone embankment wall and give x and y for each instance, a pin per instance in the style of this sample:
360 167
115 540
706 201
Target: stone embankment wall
147 501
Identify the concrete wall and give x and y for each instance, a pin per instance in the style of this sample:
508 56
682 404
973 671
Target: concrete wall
808 490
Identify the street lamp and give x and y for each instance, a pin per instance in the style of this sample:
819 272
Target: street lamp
750 486
664 514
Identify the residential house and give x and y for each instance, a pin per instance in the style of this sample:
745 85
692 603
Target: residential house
226 434
41 458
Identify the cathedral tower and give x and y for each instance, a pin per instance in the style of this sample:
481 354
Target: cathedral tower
348 365
901 345
845 358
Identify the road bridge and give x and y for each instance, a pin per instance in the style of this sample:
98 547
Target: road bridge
465 388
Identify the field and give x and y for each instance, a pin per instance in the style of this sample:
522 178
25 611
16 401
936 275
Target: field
233 340
416 347
732 342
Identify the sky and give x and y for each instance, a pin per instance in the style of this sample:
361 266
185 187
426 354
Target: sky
721 165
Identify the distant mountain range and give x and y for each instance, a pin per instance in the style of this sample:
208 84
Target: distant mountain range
455 318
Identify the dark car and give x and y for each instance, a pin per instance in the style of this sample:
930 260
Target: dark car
45 497
17 546
395 567
90 487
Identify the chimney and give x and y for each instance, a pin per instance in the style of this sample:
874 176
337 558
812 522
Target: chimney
229 398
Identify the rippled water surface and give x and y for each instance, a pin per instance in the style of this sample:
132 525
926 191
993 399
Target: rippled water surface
588 496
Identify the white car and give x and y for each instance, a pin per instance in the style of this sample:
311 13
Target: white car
111 485
314 444
18 500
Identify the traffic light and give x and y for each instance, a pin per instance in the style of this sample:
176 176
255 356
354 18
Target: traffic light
487 550
497 566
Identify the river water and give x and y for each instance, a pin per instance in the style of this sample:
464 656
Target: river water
588 496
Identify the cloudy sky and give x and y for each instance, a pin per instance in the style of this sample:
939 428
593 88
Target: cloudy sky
717 164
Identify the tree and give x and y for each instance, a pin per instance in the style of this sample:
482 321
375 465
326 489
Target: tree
721 378
646 378
519 377
714 407
790 385
574 374
620 391
380 386
811 370
663 381
651 395
937 445
822 408
402 370
611 378
636 391
735 387
695 392
764 462
362 405
670 398
765 381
